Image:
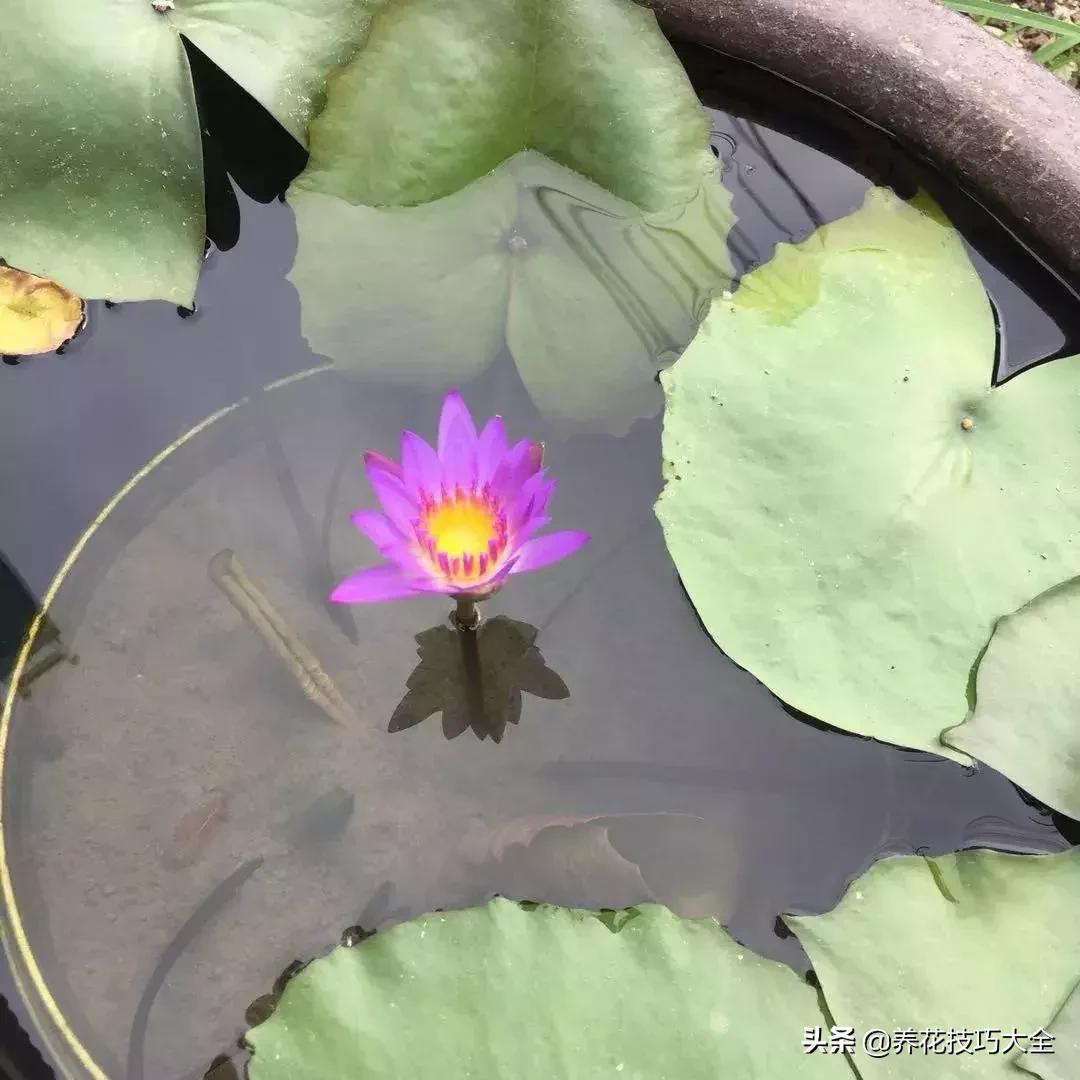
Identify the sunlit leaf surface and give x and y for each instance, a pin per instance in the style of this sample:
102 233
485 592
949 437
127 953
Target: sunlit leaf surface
1026 721
511 992
102 186
977 941
849 502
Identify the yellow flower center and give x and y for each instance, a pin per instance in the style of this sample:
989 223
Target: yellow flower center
464 535
461 527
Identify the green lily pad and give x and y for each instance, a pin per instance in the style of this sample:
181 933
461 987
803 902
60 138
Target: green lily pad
102 185
1064 1063
849 501
586 291
967 943
530 993
1026 720
502 173
443 91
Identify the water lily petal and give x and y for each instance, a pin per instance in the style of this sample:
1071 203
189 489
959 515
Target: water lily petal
522 461
378 528
385 582
420 468
532 498
400 507
457 443
548 549
374 460
490 449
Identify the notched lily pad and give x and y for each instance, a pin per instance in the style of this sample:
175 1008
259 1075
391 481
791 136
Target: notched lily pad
528 992
103 189
969 942
36 315
444 91
850 504
1026 719
503 173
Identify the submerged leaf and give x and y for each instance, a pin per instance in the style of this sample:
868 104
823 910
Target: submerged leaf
682 861
36 315
850 504
511 992
586 292
988 942
491 173
1026 720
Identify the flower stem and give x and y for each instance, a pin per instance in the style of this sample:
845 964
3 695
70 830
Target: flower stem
466 615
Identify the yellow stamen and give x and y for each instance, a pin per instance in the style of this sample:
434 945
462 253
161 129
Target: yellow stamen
461 527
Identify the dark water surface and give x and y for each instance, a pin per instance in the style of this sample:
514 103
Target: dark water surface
178 750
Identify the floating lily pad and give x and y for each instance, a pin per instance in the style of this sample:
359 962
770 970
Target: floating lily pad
850 503
1026 720
586 291
491 173
36 315
102 186
443 91
966 943
1064 1063
508 993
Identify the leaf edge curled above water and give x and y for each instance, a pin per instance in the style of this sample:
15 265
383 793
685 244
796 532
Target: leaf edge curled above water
474 83
104 190
823 500
283 57
901 949
1026 719
1065 1029
525 992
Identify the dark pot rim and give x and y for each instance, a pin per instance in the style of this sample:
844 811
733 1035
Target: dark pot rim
1002 126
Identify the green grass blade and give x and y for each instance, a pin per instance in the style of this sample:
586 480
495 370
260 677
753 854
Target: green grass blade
1049 52
990 9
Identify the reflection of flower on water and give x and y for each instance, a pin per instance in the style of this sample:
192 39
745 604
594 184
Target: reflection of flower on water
458 520
475 678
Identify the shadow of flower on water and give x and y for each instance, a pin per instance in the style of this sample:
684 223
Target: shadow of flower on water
476 678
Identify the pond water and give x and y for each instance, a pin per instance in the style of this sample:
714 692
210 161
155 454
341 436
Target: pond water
161 747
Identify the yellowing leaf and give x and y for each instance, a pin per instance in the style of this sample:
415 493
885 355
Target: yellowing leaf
36 315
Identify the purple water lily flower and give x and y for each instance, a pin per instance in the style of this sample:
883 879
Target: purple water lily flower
459 520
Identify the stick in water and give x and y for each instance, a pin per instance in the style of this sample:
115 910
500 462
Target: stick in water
229 576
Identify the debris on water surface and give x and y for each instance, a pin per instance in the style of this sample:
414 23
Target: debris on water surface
37 315
197 828
161 6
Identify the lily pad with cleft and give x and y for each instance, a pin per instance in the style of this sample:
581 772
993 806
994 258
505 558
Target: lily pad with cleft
502 174
968 948
1026 719
851 502
102 186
